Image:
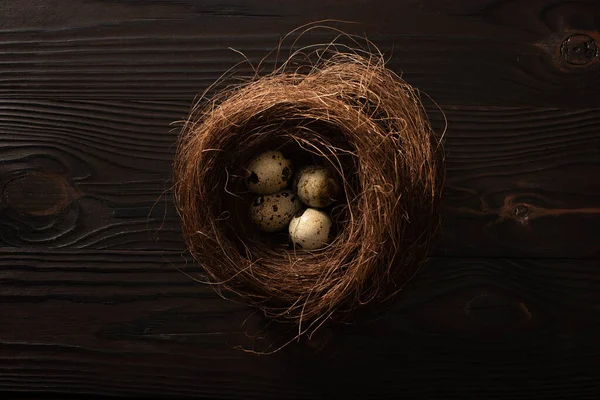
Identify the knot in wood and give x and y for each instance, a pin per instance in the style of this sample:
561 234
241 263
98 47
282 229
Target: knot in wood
579 49
37 193
522 211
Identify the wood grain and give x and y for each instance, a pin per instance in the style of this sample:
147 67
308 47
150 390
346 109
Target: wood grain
521 182
124 323
95 175
465 52
104 164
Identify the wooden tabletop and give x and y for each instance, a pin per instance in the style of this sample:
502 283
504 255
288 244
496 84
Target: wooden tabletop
97 295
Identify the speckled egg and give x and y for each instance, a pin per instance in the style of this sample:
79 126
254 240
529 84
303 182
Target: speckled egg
317 186
272 213
310 229
269 173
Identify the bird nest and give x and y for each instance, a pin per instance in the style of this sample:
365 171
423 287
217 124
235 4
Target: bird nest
348 112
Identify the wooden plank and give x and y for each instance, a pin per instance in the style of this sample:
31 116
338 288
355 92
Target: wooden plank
122 323
521 182
472 53
89 174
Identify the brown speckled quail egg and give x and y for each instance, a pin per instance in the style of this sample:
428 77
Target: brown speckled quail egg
310 229
272 213
269 173
316 186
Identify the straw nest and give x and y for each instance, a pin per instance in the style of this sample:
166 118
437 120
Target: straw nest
347 111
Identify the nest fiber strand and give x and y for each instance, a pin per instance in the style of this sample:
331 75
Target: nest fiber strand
353 114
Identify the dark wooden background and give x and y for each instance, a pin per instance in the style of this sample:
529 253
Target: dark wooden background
91 301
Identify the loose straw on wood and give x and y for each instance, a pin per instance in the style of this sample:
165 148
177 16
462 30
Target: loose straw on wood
348 111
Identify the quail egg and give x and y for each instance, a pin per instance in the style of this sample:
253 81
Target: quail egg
310 229
271 213
316 186
269 173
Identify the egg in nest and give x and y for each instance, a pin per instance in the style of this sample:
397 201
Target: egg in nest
269 173
317 186
310 229
272 213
